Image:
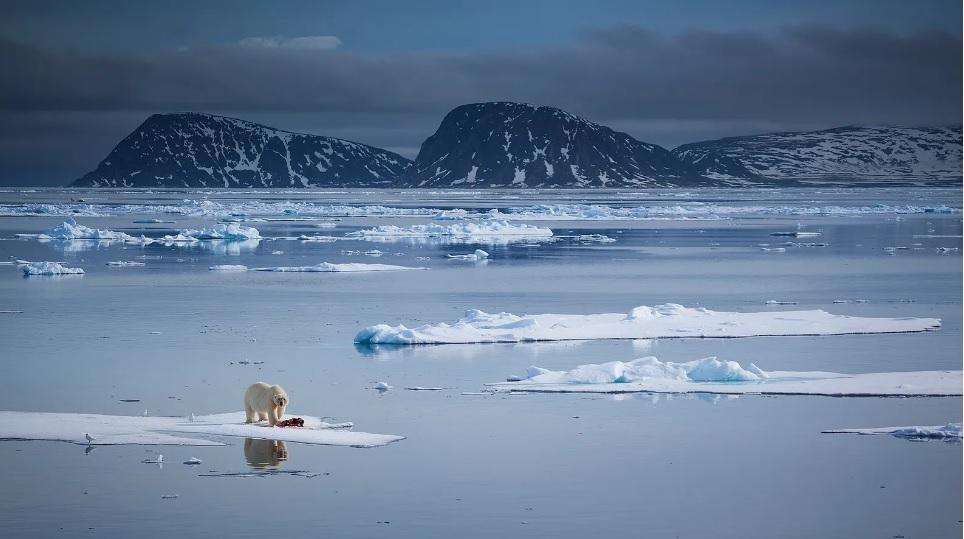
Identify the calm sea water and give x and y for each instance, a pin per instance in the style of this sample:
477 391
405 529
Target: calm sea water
481 465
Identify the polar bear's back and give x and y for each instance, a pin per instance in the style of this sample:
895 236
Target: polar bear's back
257 395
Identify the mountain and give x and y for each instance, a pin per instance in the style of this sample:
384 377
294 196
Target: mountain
204 150
854 155
505 144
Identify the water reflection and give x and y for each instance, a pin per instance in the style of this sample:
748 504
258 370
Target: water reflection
261 454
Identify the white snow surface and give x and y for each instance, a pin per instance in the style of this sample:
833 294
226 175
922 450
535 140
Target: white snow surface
710 375
150 430
224 231
949 431
325 267
662 321
49 268
228 267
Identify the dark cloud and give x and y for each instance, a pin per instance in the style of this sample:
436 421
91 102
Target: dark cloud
804 75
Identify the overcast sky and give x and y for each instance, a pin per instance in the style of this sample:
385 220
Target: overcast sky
78 76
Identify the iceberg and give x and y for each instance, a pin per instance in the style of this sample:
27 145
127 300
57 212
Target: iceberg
711 375
49 268
325 267
668 320
71 230
96 429
950 431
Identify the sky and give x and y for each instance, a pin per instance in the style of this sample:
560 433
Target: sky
79 76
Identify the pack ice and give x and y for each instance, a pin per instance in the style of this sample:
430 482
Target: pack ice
141 430
49 268
484 231
662 321
325 267
950 431
711 375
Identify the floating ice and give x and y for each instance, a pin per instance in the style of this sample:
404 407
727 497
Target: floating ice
773 249
477 256
224 231
950 431
779 302
122 430
329 267
229 267
484 231
661 321
49 268
382 386
796 234
125 264
71 230
593 238
710 375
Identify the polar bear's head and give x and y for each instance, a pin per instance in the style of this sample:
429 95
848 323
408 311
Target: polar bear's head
278 396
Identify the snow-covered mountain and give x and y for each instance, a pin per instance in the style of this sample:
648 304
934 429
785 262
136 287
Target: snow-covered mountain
855 155
506 144
204 150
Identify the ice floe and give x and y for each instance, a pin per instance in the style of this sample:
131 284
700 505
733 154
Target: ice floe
224 231
124 264
148 430
228 267
711 375
49 268
661 321
329 267
950 431
484 231
476 256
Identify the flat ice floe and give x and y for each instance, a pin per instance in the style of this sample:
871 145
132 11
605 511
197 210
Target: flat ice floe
710 375
49 268
222 231
228 267
477 256
124 264
329 267
662 321
140 430
484 231
950 431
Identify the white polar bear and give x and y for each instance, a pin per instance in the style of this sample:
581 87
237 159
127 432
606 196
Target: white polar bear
264 401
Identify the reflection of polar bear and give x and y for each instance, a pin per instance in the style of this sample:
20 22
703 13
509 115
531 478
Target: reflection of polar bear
264 453
263 401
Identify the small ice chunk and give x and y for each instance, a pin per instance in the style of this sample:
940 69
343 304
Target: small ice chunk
125 264
229 267
476 256
382 386
193 461
49 268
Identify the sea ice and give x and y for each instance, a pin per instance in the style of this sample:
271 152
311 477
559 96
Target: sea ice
229 267
71 230
661 321
710 375
224 231
949 431
329 267
49 268
484 231
149 430
477 256
124 264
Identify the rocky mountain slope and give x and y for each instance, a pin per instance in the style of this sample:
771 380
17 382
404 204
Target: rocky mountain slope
505 144
204 150
848 154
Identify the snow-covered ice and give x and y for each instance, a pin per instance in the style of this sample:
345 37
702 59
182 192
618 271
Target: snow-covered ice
661 321
476 256
150 430
49 268
950 431
224 231
125 264
72 230
228 267
484 231
710 375
325 267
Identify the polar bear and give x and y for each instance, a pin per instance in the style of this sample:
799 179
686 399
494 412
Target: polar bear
264 401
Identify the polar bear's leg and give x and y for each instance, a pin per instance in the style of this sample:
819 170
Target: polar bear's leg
262 416
250 415
281 412
273 416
